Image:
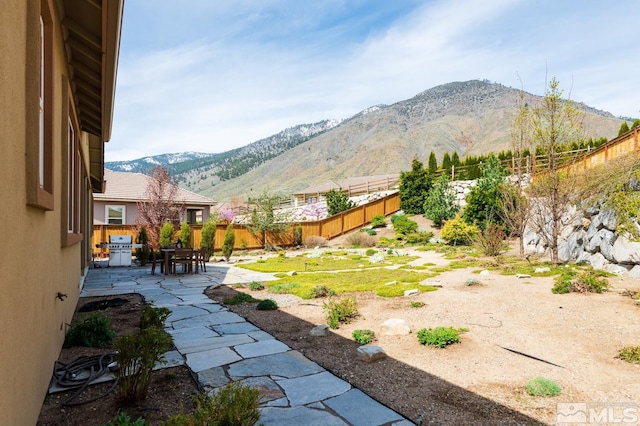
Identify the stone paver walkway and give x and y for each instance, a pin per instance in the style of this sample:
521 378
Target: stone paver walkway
220 346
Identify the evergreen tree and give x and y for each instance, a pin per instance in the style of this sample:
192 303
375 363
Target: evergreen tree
229 242
338 201
440 204
414 188
209 235
446 163
482 202
433 163
624 128
636 123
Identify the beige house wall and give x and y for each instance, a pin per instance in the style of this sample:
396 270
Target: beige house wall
36 262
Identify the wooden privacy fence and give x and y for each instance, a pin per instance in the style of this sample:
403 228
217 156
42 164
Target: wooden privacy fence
328 228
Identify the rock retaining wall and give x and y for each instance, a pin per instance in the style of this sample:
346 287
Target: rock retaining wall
591 236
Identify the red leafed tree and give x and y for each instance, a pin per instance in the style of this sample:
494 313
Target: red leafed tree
159 204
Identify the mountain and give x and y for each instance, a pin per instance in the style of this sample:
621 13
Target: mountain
472 117
190 167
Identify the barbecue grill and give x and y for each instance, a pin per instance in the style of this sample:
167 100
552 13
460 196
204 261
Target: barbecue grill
120 247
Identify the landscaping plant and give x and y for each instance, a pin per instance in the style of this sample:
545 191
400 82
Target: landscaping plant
94 331
340 311
360 239
542 387
166 235
185 234
228 243
208 236
403 225
233 404
138 353
378 221
491 240
267 305
364 337
631 354
256 286
123 419
239 298
456 231
439 337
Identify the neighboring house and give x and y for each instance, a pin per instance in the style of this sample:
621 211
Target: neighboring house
58 63
353 186
118 204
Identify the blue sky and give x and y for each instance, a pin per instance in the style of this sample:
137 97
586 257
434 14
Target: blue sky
213 75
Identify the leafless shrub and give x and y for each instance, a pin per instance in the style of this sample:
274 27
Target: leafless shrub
315 241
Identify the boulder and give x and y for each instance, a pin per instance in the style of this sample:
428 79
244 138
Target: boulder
370 353
609 219
625 251
484 273
411 292
635 272
394 327
598 261
320 330
542 270
615 269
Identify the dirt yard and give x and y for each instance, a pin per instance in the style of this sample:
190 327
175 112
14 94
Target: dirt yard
518 330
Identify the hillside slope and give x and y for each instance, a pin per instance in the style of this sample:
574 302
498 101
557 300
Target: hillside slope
472 117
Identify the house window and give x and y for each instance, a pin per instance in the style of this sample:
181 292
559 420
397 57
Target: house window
72 178
116 215
40 144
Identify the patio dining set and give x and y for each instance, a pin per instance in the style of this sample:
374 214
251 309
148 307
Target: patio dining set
190 259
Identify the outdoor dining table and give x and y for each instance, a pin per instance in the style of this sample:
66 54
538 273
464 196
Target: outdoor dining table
171 251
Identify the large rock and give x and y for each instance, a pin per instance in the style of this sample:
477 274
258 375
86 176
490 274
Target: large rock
609 219
616 269
370 353
598 261
625 251
602 241
635 272
394 327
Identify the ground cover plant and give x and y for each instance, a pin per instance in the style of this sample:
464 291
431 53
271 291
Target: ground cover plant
93 331
340 311
328 261
585 281
267 305
631 354
440 337
364 337
542 387
384 282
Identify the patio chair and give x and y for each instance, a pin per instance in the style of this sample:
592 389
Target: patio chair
184 257
203 258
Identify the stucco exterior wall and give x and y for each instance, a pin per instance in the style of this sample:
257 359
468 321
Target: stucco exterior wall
34 265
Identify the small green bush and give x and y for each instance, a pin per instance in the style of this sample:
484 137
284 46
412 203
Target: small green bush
364 337
153 316
542 387
472 281
234 404
631 354
283 288
228 242
403 225
297 235
370 252
320 291
439 337
94 331
457 232
372 232
267 305
208 236
417 304
123 419
378 221
589 281
185 234
418 237
360 239
340 311
256 286
239 298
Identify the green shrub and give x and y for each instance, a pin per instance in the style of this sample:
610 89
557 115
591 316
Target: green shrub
185 234
542 387
123 419
166 235
360 239
239 298
137 354
589 281
297 235
440 204
491 240
229 242
378 221
321 291
372 232
370 252
340 311
234 404
143 253
255 286
208 236
418 237
267 305
94 331
153 316
396 217
439 336
338 201
283 288
417 304
457 232
364 337
403 225
630 354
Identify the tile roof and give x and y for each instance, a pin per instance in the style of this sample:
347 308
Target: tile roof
123 186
